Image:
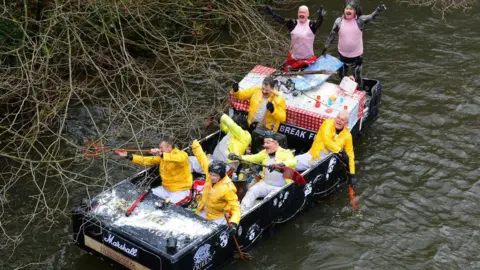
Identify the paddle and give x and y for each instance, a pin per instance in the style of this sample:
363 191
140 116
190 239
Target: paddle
288 173
242 254
351 196
99 149
298 73
137 201
351 191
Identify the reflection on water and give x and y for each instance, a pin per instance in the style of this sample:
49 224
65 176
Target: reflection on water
418 173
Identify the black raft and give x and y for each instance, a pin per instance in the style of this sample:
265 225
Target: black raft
159 235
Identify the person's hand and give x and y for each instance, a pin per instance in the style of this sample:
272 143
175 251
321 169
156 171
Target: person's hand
235 87
208 122
324 52
232 156
321 12
121 153
276 167
381 7
253 126
156 151
219 115
270 107
233 228
342 155
268 9
352 180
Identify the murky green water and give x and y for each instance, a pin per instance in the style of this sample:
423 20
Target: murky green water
418 167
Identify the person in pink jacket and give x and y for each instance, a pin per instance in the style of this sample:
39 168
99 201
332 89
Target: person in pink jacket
302 32
349 29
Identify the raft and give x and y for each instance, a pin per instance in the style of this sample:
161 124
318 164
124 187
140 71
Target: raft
158 235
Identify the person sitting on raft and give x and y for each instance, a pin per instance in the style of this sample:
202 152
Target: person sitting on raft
349 29
332 136
272 180
235 141
268 107
302 32
174 170
219 192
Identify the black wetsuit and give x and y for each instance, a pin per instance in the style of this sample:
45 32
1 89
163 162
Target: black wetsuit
355 62
291 23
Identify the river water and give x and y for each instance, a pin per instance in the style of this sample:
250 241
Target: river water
417 167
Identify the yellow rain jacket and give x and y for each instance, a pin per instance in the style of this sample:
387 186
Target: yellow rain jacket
327 140
216 198
284 156
239 140
174 169
255 95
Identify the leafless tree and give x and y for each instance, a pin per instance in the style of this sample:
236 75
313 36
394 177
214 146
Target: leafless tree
120 72
442 6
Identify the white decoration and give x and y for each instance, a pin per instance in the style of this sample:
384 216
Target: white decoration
224 239
202 257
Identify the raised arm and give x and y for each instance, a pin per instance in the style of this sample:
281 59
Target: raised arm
289 23
364 19
244 94
315 25
200 155
204 163
229 126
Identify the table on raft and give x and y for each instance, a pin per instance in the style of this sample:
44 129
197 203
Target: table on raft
303 110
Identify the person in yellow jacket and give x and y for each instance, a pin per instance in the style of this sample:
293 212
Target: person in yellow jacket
332 136
267 106
174 170
219 192
235 141
272 180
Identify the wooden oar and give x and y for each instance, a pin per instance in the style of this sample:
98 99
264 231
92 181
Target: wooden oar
351 195
133 150
298 73
351 191
242 254
288 173
100 149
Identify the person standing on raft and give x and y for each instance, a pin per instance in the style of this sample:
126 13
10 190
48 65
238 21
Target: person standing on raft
349 29
302 32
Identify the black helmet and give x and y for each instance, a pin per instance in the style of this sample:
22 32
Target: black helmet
218 167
